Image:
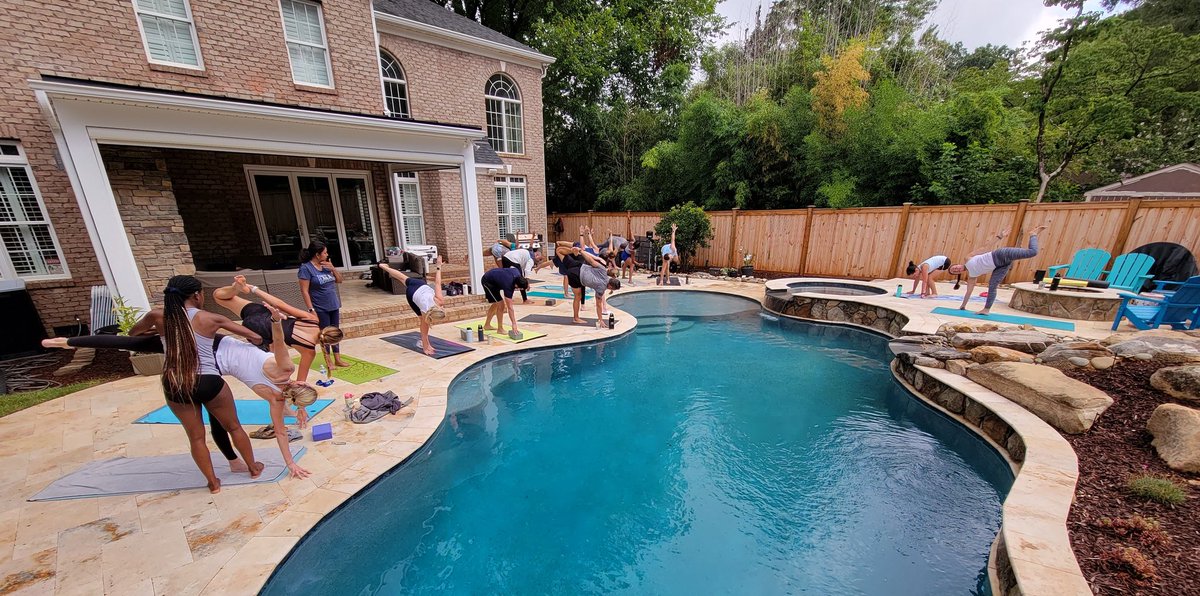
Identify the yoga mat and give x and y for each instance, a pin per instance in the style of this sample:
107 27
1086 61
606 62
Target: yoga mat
441 347
555 320
547 293
161 473
671 281
526 334
250 412
999 318
359 371
947 297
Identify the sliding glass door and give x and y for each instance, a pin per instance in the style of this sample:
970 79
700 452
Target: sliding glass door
335 207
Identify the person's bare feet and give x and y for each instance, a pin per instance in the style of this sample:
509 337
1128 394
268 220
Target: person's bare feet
488 327
238 465
338 362
257 469
429 351
578 320
214 487
239 284
985 312
57 342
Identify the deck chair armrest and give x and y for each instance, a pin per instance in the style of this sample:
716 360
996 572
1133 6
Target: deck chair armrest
1163 283
1127 296
1050 271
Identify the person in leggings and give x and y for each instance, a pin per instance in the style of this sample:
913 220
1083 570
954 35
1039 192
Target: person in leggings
190 378
424 300
996 264
595 274
302 330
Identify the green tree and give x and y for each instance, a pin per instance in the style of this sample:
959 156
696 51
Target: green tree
695 229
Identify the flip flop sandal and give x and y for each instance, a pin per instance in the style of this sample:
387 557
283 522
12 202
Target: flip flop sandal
294 435
266 432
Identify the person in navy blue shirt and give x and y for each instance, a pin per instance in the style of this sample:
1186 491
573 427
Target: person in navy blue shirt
498 286
318 284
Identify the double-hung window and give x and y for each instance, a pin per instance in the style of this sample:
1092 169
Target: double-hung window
510 205
503 106
168 32
395 88
304 30
28 247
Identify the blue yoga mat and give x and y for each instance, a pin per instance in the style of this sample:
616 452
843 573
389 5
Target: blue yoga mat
947 297
250 411
555 294
999 318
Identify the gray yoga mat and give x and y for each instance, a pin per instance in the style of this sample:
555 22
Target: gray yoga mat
441 347
554 320
160 473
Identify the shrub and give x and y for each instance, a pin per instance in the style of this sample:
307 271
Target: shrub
1129 560
1145 531
695 228
127 316
1156 489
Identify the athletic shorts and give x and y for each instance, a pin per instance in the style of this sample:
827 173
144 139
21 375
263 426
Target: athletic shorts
207 388
493 292
573 278
410 289
257 318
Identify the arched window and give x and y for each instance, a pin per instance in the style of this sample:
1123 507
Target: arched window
504 115
395 89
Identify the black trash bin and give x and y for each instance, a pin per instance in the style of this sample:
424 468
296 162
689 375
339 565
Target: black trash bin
23 327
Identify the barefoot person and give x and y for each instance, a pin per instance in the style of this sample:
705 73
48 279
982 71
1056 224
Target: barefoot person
190 378
670 253
318 280
301 330
996 263
925 272
596 275
424 300
571 264
498 287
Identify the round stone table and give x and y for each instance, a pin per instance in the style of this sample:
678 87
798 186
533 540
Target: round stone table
1081 304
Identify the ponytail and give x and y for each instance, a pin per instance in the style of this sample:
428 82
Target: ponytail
945 266
911 269
314 248
182 361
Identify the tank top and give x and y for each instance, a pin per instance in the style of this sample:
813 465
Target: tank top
243 361
204 348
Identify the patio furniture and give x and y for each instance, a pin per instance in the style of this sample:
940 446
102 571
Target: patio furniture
410 264
1129 272
1180 310
1172 262
101 313
1087 264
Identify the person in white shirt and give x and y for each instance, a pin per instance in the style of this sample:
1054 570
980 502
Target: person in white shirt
526 261
924 273
994 263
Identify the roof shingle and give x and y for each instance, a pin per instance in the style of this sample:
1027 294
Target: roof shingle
429 13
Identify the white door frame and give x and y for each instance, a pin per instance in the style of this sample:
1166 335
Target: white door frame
398 211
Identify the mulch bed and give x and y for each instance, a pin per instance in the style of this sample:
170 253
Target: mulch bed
108 364
1116 448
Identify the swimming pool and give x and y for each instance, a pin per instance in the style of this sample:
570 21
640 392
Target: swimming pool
714 450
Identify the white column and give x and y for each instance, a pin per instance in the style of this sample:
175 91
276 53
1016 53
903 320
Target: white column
98 201
471 208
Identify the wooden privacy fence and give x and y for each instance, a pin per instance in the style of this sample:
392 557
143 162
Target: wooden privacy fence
878 242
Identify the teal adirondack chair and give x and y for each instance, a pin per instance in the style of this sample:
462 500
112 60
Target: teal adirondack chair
1180 310
1087 264
1129 272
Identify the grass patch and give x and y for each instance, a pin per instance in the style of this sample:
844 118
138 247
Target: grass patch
1156 489
15 402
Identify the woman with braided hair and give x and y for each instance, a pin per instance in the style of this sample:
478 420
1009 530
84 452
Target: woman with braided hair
190 377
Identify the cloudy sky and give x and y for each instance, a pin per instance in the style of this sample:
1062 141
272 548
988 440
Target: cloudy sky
973 22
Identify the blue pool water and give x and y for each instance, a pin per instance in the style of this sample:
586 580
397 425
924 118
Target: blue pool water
713 451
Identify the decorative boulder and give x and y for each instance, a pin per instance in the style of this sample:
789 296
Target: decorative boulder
1176 431
1162 345
948 354
1061 356
952 329
985 354
1030 342
958 367
1180 382
1066 404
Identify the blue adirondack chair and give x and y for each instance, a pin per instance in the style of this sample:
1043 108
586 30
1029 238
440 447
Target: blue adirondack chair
1129 272
1180 310
1087 264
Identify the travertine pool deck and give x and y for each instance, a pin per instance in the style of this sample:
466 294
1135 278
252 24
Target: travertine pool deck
192 542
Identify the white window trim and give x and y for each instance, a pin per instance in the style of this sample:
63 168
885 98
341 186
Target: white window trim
504 101
191 21
510 182
7 270
398 212
332 174
324 44
384 80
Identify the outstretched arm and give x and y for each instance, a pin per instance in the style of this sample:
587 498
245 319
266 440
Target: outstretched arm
437 280
593 261
279 349
278 410
967 296
674 248
149 324
512 312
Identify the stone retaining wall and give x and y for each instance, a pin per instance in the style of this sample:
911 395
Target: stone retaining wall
837 311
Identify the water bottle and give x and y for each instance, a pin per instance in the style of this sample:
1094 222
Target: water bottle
899 290
612 320
324 371
480 333
349 404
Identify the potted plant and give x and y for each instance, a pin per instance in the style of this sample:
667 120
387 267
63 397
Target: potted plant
144 364
747 264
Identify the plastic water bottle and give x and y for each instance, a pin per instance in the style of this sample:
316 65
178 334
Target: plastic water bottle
612 320
899 290
348 397
324 371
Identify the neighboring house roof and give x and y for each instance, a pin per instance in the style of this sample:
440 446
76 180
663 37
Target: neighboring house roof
434 15
485 155
1177 180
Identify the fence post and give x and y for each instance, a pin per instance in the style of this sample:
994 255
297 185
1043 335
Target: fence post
629 225
549 224
898 245
733 239
590 212
1018 220
1131 210
808 218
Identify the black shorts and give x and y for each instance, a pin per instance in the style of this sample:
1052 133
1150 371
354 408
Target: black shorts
504 262
493 291
207 388
257 318
573 278
410 289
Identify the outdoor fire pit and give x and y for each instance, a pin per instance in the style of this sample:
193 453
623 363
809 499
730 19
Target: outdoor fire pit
1083 304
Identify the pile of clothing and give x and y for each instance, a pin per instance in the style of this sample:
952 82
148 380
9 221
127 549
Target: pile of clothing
375 405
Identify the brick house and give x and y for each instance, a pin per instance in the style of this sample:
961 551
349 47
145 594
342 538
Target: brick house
147 138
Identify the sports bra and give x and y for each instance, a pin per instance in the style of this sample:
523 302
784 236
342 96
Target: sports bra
204 347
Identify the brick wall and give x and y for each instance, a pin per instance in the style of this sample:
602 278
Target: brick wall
147 202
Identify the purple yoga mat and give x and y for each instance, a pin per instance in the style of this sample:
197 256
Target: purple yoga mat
441 347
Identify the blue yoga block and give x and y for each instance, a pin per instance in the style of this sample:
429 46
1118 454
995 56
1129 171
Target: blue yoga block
322 432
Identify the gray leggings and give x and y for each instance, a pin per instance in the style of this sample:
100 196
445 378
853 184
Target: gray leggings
1004 258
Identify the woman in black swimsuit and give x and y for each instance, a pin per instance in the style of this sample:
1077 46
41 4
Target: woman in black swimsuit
300 329
190 378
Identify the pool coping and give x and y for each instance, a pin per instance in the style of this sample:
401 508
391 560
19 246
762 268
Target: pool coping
1032 552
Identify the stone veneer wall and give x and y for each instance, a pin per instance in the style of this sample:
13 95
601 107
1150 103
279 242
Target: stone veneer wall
837 311
1065 304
